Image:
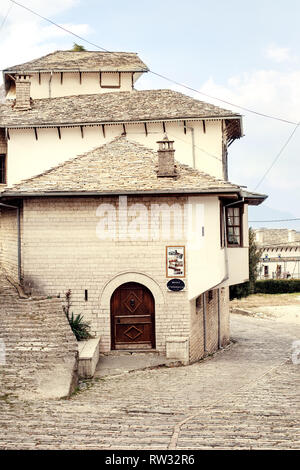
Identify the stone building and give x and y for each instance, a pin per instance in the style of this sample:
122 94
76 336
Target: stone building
280 257
123 197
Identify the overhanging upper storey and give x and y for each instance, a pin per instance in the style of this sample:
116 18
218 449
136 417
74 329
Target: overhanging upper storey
63 73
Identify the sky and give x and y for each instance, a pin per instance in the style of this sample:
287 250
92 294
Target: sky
244 53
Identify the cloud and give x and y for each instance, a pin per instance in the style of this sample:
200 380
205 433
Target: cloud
279 54
25 36
274 93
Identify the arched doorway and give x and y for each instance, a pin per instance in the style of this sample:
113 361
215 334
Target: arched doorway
132 317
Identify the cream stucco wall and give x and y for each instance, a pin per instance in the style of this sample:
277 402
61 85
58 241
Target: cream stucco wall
50 86
238 258
205 254
28 157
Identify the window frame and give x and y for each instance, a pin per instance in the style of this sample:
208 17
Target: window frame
240 226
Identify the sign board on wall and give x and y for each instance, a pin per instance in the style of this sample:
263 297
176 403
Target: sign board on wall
175 261
175 285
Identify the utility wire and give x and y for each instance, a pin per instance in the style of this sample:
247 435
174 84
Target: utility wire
5 17
58 26
278 155
157 74
248 110
184 86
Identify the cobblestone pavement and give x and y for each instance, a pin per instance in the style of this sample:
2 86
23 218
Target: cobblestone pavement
242 398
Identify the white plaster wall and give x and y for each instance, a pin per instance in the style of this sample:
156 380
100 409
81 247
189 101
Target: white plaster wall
206 258
28 157
90 84
238 258
238 263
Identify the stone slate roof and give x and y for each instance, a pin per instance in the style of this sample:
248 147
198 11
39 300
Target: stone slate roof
118 167
84 61
126 106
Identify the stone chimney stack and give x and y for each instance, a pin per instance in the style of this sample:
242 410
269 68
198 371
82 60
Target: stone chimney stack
22 92
166 161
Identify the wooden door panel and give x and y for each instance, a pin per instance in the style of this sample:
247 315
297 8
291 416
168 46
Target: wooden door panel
132 317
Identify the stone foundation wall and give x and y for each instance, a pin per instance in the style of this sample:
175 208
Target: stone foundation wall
196 336
9 241
224 316
211 300
206 343
41 352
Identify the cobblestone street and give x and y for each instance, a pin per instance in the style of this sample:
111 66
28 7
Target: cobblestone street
246 397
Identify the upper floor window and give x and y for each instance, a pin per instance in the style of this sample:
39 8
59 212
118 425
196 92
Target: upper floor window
2 169
234 226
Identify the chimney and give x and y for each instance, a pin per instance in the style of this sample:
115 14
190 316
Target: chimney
22 92
166 162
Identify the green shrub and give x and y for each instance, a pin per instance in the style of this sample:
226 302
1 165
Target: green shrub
239 290
80 328
277 286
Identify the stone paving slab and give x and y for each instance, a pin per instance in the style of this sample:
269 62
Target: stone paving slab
114 365
244 398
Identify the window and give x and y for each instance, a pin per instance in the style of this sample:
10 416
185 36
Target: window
266 271
2 169
210 295
234 226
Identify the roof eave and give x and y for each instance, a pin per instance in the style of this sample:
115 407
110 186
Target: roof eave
21 194
28 71
133 121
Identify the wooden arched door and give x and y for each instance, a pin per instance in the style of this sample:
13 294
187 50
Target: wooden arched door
132 317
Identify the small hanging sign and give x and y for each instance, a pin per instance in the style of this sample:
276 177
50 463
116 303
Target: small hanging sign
175 285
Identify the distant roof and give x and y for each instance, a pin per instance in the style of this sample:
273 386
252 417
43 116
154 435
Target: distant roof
118 167
83 61
125 106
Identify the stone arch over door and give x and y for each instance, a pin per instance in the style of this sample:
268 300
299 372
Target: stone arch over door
104 322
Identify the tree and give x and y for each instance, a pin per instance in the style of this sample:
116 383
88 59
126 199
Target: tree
247 288
78 48
254 257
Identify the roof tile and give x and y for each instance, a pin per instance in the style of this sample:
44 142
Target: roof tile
142 105
88 61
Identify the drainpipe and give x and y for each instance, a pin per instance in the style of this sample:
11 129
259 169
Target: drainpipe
19 235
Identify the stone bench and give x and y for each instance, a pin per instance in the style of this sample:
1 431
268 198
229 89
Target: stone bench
88 357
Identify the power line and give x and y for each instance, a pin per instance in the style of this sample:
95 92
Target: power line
278 155
58 26
5 17
221 100
160 75
184 86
